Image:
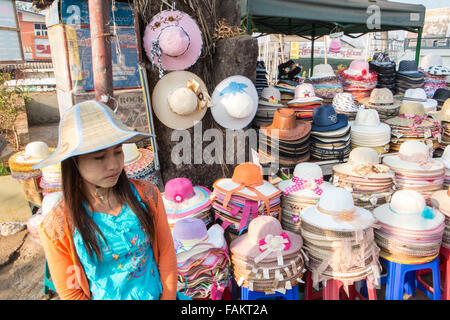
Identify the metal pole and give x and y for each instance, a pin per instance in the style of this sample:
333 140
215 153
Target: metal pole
313 35
101 51
419 44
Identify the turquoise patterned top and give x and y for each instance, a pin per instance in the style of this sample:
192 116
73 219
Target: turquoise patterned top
128 270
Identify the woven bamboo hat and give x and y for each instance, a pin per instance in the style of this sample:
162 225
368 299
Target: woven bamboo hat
88 127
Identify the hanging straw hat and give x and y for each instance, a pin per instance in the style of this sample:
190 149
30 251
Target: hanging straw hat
235 101
88 127
180 99
177 38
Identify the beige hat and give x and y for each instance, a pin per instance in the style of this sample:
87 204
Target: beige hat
444 114
409 114
88 127
322 71
180 99
380 98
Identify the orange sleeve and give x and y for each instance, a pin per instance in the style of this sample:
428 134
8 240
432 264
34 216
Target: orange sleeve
62 267
167 259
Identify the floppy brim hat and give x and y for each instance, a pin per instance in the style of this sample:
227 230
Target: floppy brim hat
362 219
442 199
385 214
189 206
88 127
145 159
233 85
341 122
180 19
348 169
160 103
395 162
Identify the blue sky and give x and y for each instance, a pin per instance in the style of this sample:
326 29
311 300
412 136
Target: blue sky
429 4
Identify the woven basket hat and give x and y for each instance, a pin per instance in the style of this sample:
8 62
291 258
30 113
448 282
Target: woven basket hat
88 127
381 98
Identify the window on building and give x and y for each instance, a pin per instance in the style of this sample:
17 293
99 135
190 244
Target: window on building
40 29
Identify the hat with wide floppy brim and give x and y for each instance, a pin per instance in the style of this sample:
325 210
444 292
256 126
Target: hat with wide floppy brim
336 211
180 99
181 199
443 114
285 126
191 238
442 200
307 181
265 241
88 127
325 118
178 38
407 210
235 102
413 155
364 162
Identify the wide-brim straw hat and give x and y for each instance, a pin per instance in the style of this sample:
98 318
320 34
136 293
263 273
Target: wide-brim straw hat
442 201
88 127
169 84
443 114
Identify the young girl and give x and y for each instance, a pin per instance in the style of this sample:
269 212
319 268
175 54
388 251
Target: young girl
109 238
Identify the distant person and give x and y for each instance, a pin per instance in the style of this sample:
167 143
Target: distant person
109 237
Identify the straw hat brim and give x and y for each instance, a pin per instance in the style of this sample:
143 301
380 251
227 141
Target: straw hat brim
395 162
347 169
163 89
89 127
363 219
385 215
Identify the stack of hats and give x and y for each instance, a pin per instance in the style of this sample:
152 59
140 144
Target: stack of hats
261 79
345 103
330 134
326 83
408 76
21 163
300 192
267 258
385 69
415 169
269 102
435 74
358 80
202 259
51 180
445 159
409 231
368 131
419 95
441 95
242 198
443 117
382 100
370 182
339 241
288 78
285 141
182 200
305 101
139 162
413 124
441 200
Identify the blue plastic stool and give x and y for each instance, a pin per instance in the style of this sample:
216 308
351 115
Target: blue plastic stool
401 278
291 294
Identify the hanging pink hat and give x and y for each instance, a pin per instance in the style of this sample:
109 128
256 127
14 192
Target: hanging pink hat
176 37
335 45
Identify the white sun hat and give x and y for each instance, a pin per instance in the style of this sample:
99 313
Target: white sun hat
419 95
408 210
235 101
336 211
270 96
307 181
415 156
368 130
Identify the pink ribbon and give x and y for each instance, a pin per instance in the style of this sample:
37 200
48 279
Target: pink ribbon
416 118
301 184
421 159
287 245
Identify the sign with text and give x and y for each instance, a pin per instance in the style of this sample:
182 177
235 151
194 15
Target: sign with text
42 48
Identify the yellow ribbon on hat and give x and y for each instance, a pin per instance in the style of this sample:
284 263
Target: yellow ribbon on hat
203 98
344 215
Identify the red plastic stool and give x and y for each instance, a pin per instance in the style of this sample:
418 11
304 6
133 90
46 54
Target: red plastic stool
444 268
334 290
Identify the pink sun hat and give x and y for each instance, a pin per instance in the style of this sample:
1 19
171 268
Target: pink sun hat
181 199
176 36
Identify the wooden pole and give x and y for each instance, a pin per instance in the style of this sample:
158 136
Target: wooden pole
101 51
